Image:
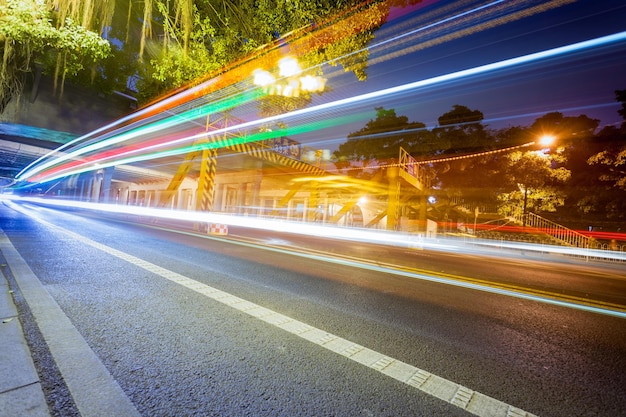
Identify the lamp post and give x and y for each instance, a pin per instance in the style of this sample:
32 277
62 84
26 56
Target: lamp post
544 141
524 208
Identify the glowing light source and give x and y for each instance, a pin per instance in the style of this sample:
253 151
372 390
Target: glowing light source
546 140
289 85
312 84
288 67
263 78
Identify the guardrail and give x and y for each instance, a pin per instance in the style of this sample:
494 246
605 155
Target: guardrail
567 236
417 175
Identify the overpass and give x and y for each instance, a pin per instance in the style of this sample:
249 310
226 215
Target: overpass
275 177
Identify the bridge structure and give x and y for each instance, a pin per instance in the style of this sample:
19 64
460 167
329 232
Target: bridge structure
228 173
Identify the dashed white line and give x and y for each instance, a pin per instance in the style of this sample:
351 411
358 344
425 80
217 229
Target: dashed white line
446 390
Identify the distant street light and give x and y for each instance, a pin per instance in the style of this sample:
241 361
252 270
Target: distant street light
546 140
288 67
263 78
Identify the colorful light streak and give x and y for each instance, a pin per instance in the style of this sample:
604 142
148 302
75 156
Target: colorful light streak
371 236
149 150
360 18
352 21
293 116
151 128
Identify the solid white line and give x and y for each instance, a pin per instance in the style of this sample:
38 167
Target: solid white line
94 390
446 390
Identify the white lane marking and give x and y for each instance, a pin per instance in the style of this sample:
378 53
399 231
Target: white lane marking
617 311
94 390
446 390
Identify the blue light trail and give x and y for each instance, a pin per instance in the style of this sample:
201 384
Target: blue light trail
367 97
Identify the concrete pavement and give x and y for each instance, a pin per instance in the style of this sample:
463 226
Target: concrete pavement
20 388
93 391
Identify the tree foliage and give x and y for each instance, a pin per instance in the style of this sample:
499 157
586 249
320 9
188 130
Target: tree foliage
533 181
470 162
166 44
30 34
224 31
461 131
613 158
379 141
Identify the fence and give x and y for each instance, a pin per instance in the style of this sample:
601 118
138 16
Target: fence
561 233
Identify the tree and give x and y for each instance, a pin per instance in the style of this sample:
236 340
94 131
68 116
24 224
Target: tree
462 141
225 31
532 181
31 35
607 163
167 44
379 141
461 131
613 158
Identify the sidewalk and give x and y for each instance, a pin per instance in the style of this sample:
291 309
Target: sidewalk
20 389
92 389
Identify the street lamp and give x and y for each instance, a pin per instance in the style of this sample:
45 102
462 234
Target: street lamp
288 67
290 83
546 140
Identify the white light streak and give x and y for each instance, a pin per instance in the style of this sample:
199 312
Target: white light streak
333 232
525 59
327 231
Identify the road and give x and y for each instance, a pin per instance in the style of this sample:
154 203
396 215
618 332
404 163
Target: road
192 325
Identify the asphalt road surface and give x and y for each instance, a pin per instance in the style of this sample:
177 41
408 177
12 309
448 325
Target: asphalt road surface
173 323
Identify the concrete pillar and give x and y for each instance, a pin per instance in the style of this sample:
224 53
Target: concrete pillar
105 190
220 200
83 191
312 206
422 224
256 189
393 199
96 186
241 197
124 196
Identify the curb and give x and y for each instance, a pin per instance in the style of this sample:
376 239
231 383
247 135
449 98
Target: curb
20 388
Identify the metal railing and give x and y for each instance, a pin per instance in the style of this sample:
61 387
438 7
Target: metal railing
414 169
536 223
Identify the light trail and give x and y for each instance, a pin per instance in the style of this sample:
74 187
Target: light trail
370 236
363 98
357 19
476 20
326 231
403 372
152 128
202 140
118 122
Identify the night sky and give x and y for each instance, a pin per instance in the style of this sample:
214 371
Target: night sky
577 83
